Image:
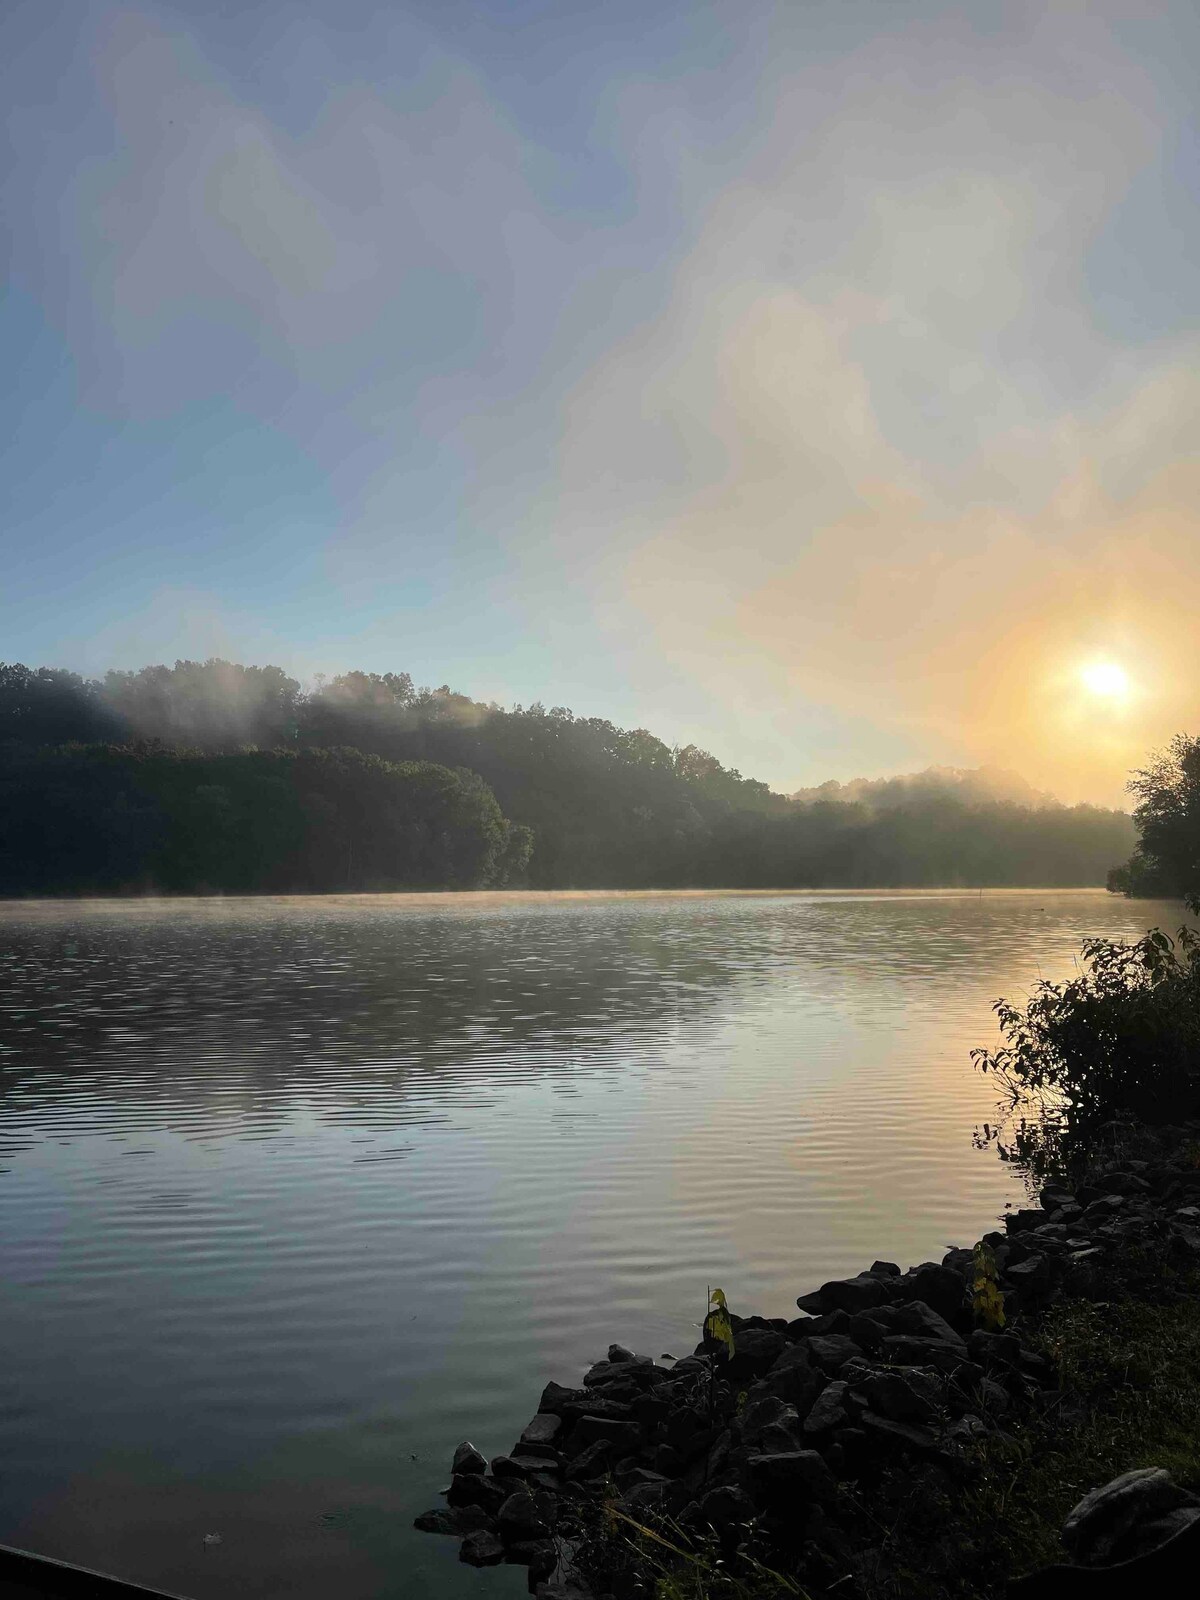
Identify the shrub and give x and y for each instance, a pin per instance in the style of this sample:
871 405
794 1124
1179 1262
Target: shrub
1123 1037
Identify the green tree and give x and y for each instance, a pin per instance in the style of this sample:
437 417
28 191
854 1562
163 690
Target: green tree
1166 860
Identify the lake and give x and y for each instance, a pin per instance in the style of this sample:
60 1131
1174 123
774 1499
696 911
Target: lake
296 1193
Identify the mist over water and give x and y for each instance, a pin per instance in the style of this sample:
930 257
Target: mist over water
296 1193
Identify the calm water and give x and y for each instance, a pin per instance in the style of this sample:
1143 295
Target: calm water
296 1193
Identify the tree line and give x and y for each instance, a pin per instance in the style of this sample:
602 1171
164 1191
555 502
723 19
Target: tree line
1166 860
214 775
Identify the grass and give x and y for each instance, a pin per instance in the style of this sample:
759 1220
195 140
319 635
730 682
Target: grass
1129 1396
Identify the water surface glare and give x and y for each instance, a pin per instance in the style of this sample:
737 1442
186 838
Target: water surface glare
296 1193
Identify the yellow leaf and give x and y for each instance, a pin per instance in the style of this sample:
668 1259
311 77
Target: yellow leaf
719 1329
986 1300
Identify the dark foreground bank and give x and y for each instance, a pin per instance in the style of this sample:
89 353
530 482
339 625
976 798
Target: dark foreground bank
922 1432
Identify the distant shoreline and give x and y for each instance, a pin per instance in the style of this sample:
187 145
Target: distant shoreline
541 896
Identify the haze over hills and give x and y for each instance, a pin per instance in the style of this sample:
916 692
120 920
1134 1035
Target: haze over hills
218 776
968 784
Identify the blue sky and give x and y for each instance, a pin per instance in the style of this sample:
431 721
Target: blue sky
815 382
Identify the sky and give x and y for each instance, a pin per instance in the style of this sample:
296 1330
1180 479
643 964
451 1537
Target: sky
813 382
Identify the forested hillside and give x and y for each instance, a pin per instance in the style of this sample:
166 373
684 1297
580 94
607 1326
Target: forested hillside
215 775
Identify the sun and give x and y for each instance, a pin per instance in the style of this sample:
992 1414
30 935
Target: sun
1105 680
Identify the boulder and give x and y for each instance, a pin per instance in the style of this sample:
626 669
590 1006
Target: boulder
907 1435
618 1353
923 1321
995 1349
1104 1210
831 1352
1124 1518
725 1507
767 1414
471 1489
846 1294
829 1410
537 1468
637 1372
1127 1183
1022 1220
912 1396
906 1351
593 1462
468 1459
625 1437
555 1396
455 1520
939 1287
525 1516
816 1327
543 1429
595 1403
789 1474
755 1350
884 1269
649 1410
481 1549
866 1332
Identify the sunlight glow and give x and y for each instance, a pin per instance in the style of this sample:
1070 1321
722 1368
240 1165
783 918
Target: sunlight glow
1106 680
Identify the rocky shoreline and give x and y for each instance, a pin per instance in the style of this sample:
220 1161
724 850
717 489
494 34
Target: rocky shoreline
772 1444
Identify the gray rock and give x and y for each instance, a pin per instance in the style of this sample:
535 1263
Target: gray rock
793 1378
525 1516
468 1459
846 1294
623 1436
608 1372
1109 1524
918 1318
905 1351
967 1429
523 1466
831 1351
481 1549
906 1434
936 1286
865 1332
912 1396
555 1396
726 1506
618 1353
594 1462
993 1397
471 1489
764 1414
1021 1221
455 1520
539 1555
1126 1183
755 1350
829 1409
789 1473
995 1349
542 1429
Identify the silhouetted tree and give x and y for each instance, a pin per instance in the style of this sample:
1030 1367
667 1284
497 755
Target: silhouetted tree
1166 860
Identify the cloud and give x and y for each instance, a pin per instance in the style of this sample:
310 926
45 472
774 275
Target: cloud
876 455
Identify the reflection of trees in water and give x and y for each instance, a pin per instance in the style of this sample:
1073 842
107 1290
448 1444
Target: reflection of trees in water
245 1016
